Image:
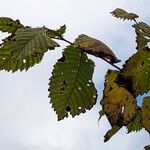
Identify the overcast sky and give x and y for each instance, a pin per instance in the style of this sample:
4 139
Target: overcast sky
27 121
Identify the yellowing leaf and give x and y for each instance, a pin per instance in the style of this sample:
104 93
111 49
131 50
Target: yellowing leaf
137 68
9 25
71 88
146 113
118 104
122 14
95 47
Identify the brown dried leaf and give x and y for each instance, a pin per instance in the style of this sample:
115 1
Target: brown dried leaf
95 47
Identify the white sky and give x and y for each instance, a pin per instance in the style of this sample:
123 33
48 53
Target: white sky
27 121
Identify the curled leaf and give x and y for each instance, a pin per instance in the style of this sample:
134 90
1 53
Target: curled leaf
95 47
122 14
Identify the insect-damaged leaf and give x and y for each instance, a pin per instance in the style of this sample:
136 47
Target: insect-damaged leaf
138 69
146 113
136 123
29 41
95 47
9 64
71 87
142 31
9 25
117 103
122 14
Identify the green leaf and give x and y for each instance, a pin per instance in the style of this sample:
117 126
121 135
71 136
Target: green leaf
118 104
95 47
147 147
136 124
122 14
71 87
137 68
146 113
9 64
56 33
111 132
29 41
9 25
62 30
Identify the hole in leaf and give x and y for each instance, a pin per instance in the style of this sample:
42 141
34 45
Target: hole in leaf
35 54
24 61
90 81
3 58
88 84
79 88
79 107
68 109
62 59
94 96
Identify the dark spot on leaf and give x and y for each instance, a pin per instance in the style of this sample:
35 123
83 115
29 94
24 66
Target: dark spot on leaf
62 59
110 88
142 63
63 86
68 109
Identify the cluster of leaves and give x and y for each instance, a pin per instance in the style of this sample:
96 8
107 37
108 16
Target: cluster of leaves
71 89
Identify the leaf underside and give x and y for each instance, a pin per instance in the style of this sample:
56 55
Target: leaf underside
138 69
146 113
71 87
117 103
95 47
